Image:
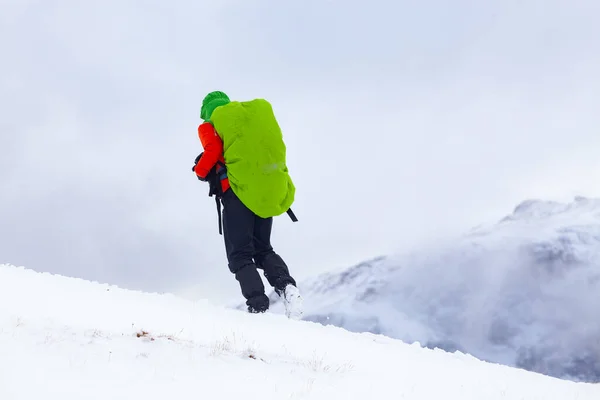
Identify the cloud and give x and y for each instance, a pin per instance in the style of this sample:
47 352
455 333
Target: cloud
403 122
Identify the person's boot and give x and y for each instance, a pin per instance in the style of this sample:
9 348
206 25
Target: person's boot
258 304
292 300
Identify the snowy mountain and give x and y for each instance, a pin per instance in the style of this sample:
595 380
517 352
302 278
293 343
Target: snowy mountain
64 338
523 292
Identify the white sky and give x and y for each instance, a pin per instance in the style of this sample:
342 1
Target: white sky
404 122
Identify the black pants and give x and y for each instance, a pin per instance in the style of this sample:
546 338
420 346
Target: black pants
248 246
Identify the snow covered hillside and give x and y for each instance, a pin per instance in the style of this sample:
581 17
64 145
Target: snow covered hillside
64 338
524 292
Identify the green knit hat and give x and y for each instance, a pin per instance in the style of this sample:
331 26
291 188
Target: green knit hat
212 101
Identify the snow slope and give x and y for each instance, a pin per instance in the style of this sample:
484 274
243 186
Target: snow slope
64 338
523 292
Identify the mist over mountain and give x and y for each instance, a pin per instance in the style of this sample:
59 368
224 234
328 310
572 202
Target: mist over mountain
522 292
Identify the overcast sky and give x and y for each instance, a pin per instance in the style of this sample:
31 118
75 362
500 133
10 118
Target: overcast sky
404 121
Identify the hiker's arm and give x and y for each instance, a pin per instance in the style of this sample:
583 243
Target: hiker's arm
213 149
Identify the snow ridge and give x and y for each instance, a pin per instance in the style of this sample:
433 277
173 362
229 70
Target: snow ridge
65 338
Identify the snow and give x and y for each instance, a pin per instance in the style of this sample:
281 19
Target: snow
65 338
523 292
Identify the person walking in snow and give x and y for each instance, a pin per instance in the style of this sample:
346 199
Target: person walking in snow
245 157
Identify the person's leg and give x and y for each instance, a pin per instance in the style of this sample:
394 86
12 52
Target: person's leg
238 232
275 269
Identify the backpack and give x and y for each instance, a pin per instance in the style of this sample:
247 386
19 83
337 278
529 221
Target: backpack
255 155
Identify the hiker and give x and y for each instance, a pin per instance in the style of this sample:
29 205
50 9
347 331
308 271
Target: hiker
251 180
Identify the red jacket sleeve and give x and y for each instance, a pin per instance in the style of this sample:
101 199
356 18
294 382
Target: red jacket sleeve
213 149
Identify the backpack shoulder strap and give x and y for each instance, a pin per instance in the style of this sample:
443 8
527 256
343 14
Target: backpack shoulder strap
292 215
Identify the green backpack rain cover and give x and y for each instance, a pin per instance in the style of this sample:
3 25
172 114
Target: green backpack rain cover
255 156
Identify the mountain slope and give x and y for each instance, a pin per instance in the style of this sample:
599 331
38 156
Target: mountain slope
71 339
523 292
